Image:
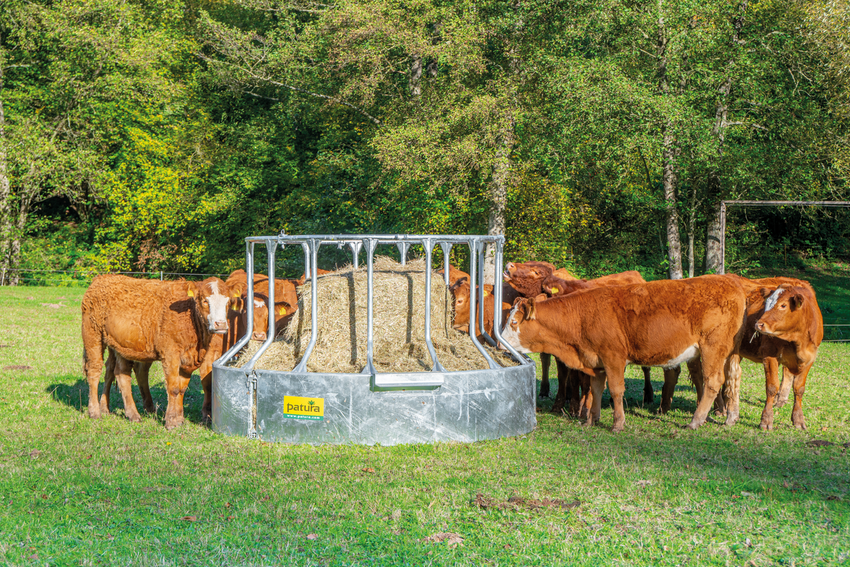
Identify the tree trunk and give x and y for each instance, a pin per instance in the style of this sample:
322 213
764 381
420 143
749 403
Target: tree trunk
713 240
15 248
669 181
415 82
668 161
498 202
5 190
692 222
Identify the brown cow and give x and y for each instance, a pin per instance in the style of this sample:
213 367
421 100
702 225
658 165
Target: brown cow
149 320
661 323
784 326
579 405
793 342
237 318
460 290
455 275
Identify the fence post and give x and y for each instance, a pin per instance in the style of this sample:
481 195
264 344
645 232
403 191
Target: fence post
160 275
3 277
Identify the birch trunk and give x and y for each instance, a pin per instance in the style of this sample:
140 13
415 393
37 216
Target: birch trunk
5 190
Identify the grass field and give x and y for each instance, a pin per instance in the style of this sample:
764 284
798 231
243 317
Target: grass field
75 491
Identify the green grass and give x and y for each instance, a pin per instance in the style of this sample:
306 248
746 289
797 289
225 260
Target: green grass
75 491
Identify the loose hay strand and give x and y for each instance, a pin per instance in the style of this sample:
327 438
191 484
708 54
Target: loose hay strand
398 325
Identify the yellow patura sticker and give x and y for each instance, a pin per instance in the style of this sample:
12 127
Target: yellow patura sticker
295 407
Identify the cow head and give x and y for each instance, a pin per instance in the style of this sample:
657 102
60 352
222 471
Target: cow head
460 289
527 278
783 311
522 312
212 299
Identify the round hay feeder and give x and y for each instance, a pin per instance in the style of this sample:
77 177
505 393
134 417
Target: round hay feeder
376 390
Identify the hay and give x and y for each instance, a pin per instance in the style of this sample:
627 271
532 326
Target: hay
398 325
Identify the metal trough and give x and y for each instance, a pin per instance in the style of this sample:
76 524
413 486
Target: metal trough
373 407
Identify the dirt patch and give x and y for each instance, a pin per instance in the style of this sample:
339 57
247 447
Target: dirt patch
518 502
53 305
819 443
17 367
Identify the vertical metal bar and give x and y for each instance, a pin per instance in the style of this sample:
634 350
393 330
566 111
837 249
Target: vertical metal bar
307 270
314 306
355 250
497 298
473 249
249 264
482 253
722 237
370 252
428 248
402 250
271 246
447 249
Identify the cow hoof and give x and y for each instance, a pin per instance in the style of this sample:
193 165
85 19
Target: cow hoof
544 392
732 418
801 426
766 426
94 413
779 403
648 399
693 425
617 429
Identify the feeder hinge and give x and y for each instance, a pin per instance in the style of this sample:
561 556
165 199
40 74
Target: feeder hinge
252 396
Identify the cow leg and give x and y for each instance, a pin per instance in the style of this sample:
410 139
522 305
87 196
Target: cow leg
142 370
785 388
712 372
573 380
123 367
771 388
545 363
597 385
586 400
176 384
206 384
108 378
648 394
564 376
731 389
92 363
799 390
695 373
671 378
617 388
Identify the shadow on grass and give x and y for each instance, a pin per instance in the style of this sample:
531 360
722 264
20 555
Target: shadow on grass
77 396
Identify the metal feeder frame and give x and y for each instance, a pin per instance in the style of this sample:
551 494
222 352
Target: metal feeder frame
372 407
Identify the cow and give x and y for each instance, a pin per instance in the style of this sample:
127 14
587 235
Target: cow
219 344
554 286
662 323
460 290
284 290
784 326
454 275
145 321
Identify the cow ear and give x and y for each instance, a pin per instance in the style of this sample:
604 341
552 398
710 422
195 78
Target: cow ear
530 310
796 301
238 289
191 289
457 284
765 291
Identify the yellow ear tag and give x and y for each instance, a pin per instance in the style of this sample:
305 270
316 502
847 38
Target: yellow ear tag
190 293
283 310
554 290
486 293
235 294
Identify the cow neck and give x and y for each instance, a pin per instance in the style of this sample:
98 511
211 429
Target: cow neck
201 329
553 318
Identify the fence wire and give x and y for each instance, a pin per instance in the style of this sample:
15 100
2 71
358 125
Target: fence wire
71 278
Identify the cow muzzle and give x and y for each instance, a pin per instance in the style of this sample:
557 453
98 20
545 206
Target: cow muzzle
219 327
258 336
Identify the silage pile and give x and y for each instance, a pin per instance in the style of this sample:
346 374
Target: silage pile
398 325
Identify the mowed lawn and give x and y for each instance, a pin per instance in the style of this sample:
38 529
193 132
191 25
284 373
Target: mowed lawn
75 491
